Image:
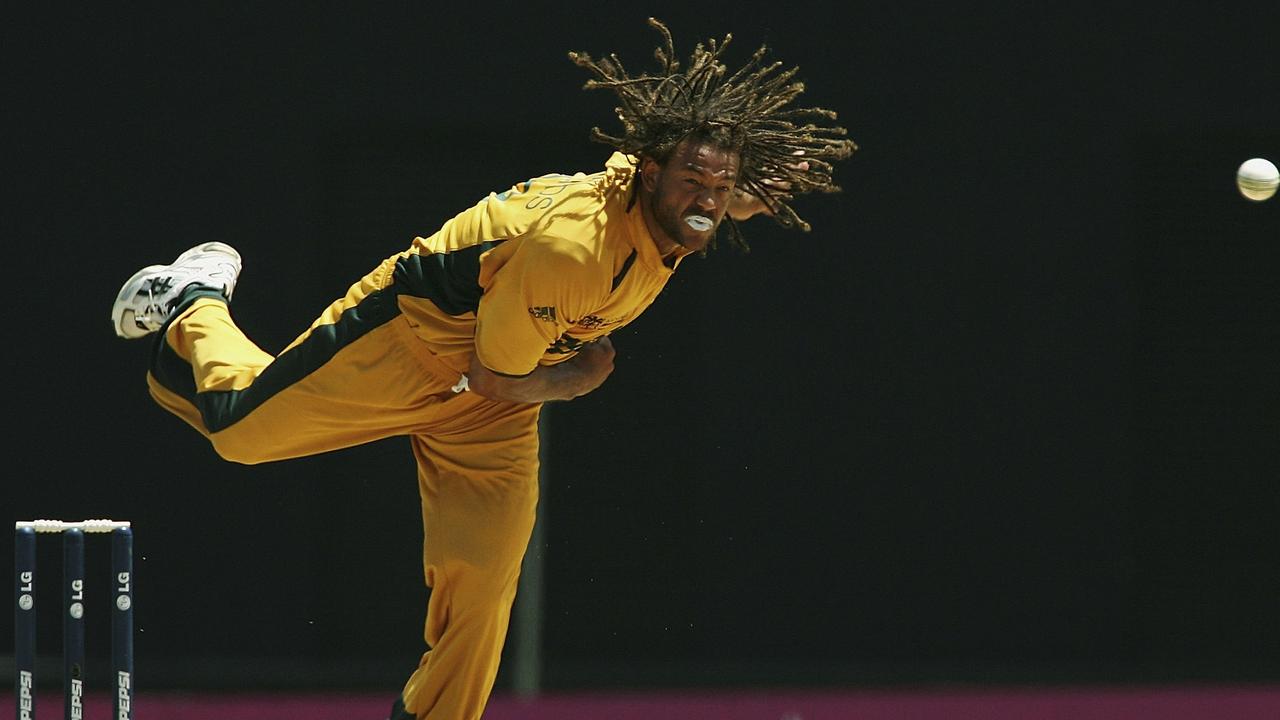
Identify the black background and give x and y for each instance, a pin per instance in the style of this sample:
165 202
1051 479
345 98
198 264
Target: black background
1009 412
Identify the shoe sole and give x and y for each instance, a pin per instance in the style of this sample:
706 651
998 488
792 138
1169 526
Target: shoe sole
122 316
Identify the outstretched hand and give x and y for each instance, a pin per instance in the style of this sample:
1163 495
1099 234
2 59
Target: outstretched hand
744 205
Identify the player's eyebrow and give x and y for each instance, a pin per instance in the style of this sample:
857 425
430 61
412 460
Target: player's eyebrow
728 173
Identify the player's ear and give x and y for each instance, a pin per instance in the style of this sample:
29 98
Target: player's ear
649 170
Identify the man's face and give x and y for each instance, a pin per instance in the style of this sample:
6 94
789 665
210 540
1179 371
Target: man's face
687 196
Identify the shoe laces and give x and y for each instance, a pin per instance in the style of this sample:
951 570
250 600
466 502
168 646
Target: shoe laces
154 311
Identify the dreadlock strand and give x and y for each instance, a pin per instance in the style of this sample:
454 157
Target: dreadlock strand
756 58
616 63
667 54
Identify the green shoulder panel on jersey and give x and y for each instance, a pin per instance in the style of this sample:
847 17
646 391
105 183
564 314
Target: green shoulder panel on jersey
449 280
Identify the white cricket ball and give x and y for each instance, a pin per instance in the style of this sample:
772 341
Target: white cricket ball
1257 179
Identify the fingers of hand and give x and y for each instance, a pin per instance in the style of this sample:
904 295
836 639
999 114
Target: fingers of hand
779 183
801 166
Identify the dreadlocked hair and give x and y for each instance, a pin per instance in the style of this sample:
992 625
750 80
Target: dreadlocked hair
745 111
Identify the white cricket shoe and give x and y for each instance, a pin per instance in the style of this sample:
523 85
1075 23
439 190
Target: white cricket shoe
147 300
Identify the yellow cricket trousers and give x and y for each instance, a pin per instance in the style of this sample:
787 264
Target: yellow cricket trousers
359 374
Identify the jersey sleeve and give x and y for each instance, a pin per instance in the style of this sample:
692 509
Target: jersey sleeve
538 294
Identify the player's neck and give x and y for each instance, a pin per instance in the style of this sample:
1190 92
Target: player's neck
668 248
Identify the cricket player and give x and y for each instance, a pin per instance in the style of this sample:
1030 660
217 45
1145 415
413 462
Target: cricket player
457 340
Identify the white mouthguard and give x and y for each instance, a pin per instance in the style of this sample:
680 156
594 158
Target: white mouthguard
699 223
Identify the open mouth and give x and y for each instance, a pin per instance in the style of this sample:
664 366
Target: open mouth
699 223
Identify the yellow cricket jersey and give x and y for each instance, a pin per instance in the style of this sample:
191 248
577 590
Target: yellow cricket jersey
526 276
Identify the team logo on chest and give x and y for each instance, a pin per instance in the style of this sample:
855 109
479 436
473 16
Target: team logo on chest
592 322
